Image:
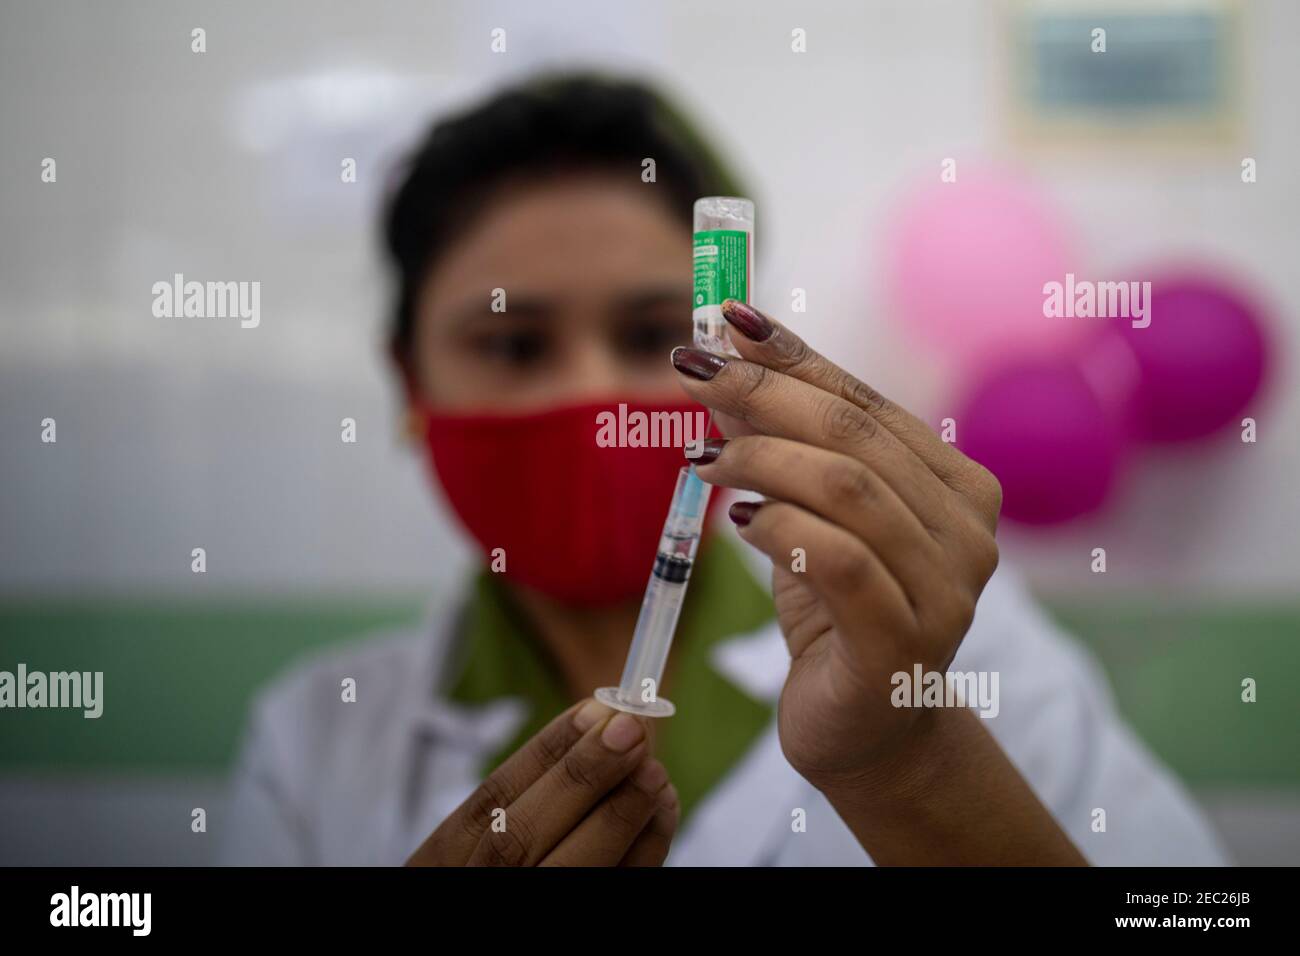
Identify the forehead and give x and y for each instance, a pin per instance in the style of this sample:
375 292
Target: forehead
576 232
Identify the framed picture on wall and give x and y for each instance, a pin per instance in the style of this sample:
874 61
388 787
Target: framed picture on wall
1130 72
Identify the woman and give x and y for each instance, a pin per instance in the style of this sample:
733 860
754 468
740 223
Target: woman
541 280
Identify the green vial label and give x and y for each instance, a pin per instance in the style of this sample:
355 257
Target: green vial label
721 259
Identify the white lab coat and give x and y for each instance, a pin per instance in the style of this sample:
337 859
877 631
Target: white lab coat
321 781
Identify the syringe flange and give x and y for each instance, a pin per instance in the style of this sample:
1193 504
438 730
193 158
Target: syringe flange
659 707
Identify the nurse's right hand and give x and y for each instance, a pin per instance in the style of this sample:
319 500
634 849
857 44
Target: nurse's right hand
583 792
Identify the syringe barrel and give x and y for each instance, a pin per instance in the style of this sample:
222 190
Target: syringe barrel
666 591
724 265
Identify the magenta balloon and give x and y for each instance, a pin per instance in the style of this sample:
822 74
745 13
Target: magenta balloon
1201 360
1040 428
966 263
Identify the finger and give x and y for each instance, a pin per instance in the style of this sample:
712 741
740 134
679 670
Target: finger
545 813
776 404
731 426
855 585
455 839
764 340
840 489
839 567
606 834
652 844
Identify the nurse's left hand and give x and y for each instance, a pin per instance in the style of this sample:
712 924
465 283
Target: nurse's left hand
881 537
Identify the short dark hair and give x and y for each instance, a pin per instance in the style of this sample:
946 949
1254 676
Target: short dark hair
550 123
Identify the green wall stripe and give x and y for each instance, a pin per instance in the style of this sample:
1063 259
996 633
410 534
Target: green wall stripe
179 677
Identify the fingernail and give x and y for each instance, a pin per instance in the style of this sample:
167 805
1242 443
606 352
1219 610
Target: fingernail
706 451
622 733
750 322
668 797
589 714
697 363
650 776
742 512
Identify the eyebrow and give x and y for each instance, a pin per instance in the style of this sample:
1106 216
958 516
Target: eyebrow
471 313
532 307
651 296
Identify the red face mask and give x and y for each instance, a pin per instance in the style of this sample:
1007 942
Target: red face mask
577 518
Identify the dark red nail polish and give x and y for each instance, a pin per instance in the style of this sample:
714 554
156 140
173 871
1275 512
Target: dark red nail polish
697 363
742 512
706 451
746 319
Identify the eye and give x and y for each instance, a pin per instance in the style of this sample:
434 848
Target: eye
652 337
517 348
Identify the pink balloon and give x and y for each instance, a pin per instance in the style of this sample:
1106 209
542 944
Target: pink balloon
1052 442
1201 360
966 263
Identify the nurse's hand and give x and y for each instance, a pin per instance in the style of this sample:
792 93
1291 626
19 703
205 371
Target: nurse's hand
583 792
895 528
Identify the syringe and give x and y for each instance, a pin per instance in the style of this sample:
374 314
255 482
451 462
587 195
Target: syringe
724 261
638 690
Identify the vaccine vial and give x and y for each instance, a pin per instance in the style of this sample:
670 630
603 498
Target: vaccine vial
724 266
